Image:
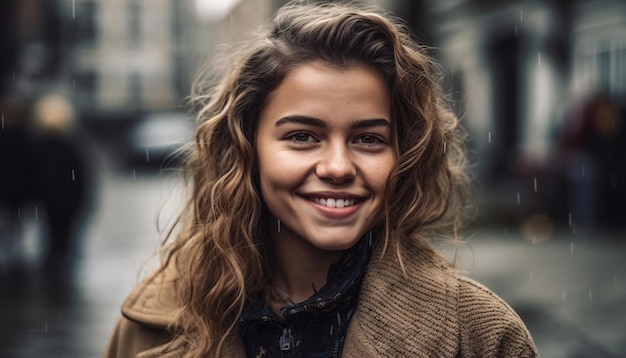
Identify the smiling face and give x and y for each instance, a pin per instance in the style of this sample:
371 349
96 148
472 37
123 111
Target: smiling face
324 147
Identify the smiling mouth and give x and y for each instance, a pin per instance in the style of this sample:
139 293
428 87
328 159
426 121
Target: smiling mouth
335 203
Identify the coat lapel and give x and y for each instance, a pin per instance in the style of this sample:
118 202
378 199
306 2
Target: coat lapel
153 303
402 316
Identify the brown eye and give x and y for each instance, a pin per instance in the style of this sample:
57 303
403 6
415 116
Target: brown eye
302 137
368 139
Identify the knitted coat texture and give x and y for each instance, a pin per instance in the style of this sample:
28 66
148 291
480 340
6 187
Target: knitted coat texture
433 311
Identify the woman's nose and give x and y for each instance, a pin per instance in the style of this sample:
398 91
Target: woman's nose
336 165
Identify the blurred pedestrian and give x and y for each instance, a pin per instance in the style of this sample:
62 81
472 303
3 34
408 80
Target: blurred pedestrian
17 187
593 150
63 181
323 163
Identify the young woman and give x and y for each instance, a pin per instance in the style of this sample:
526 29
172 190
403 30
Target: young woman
323 163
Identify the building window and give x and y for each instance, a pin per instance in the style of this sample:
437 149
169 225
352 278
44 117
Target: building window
86 22
177 22
620 69
604 69
134 23
134 89
180 81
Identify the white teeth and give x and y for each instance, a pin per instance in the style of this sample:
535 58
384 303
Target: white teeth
335 203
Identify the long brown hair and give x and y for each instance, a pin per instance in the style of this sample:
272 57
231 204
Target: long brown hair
218 251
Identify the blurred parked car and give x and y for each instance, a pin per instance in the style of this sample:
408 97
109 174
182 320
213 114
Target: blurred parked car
155 139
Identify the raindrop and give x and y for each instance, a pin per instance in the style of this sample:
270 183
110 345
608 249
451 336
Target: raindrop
571 249
331 330
589 295
2 121
535 180
73 9
515 28
147 156
570 219
521 16
489 136
444 147
36 212
518 199
19 211
73 175
339 318
134 176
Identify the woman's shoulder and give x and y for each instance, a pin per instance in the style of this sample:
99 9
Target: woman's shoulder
488 326
432 300
479 306
153 301
148 314
474 295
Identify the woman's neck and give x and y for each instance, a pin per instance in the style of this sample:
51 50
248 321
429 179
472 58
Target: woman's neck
298 269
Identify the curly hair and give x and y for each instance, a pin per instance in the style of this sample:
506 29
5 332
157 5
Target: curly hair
219 249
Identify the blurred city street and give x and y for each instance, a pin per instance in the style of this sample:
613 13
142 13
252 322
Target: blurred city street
94 94
45 320
570 290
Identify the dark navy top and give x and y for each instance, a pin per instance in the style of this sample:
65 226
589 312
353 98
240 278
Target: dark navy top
316 327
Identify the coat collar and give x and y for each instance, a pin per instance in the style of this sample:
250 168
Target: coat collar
393 309
153 302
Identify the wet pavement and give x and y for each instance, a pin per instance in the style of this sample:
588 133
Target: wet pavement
570 290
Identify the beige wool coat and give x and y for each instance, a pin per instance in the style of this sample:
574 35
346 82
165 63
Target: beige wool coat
434 312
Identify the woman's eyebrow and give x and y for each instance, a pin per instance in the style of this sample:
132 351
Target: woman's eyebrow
316 122
368 123
311 121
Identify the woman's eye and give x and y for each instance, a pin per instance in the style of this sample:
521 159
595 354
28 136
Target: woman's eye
368 139
302 137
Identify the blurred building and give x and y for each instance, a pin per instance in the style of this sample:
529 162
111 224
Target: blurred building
136 54
30 39
128 55
247 15
522 65
517 71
